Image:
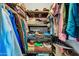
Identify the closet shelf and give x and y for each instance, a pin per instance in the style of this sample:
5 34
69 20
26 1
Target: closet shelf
37 11
37 39
41 40
35 25
13 11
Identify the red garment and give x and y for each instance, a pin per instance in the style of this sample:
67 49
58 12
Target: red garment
62 36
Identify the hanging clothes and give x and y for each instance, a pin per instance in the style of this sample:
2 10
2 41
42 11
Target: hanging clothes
8 42
73 21
12 18
24 32
50 17
20 30
26 29
62 35
55 13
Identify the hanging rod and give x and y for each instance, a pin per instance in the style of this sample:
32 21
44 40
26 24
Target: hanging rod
13 11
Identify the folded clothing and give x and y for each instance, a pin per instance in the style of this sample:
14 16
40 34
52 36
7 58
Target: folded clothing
39 47
38 44
30 46
42 49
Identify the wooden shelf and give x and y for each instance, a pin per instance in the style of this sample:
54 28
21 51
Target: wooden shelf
41 40
37 13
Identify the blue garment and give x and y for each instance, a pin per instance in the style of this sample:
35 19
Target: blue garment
73 21
12 18
8 42
51 25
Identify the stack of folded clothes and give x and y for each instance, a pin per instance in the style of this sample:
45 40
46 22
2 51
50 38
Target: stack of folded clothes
39 46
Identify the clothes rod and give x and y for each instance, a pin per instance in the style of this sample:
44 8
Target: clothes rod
13 11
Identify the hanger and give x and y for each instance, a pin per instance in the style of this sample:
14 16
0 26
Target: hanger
7 7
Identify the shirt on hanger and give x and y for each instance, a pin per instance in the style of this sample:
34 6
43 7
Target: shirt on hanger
12 18
8 42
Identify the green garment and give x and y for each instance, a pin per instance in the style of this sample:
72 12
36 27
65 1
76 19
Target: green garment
24 33
38 44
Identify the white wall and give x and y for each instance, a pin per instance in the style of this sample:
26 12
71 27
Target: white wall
33 6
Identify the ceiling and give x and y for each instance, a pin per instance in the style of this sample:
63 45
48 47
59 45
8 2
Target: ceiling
40 6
